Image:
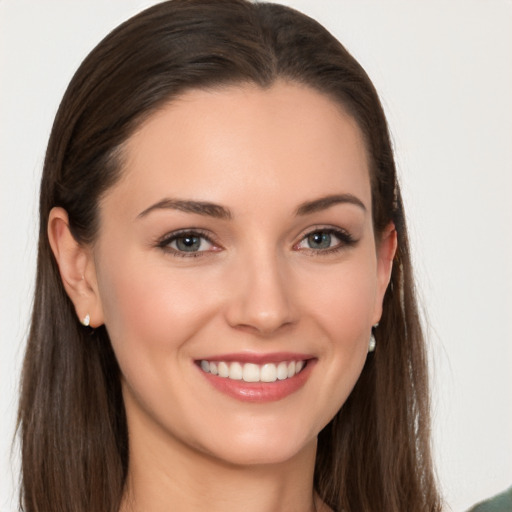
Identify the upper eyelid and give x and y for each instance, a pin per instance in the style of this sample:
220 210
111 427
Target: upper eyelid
187 231
324 227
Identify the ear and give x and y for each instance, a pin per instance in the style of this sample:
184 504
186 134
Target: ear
76 267
386 249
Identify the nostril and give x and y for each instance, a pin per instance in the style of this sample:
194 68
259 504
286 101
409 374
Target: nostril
262 328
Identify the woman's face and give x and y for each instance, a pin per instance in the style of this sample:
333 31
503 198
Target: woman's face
239 242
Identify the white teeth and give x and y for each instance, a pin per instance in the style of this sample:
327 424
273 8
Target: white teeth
235 371
250 372
291 369
282 371
223 369
268 373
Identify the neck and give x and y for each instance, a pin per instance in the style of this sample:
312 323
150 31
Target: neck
164 474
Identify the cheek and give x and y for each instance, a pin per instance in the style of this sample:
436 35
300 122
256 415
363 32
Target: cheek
148 308
342 305
343 299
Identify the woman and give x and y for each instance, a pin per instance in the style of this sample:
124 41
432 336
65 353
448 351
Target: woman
224 313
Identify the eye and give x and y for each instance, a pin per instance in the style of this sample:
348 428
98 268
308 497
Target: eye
325 240
187 243
320 240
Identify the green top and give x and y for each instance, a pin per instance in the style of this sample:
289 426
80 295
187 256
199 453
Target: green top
500 503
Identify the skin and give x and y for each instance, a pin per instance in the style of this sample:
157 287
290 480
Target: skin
256 287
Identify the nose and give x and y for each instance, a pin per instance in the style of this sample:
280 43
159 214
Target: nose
261 297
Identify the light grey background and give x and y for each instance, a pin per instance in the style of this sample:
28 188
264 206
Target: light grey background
444 73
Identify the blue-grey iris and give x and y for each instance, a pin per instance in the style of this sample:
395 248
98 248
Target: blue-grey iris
188 243
319 240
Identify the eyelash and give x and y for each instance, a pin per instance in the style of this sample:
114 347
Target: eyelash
346 240
165 242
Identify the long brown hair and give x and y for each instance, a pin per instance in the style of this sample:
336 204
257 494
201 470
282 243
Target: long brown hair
375 454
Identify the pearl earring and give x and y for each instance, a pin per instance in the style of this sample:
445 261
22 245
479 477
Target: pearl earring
86 320
373 342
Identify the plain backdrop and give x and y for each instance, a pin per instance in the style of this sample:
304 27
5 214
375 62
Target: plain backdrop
444 73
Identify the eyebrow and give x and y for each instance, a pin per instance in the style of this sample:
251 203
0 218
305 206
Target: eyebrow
326 202
220 212
199 207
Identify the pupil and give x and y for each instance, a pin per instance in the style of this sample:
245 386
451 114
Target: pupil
319 240
188 243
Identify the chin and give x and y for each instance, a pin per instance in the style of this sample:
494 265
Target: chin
257 455
260 446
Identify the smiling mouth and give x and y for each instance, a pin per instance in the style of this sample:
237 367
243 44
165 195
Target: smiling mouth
251 372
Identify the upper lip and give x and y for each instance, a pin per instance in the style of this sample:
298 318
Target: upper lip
251 357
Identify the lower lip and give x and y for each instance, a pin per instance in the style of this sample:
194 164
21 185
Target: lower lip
260 391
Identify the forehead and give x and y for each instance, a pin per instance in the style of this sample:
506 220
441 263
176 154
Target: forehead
287 141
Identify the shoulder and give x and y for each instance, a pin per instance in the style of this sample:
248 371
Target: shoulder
500 503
